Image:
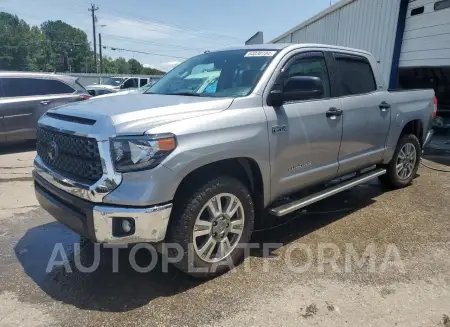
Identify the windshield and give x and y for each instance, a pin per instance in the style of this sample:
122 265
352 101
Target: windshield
113 81
232 73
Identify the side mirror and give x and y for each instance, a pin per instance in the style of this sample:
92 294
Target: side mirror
297 88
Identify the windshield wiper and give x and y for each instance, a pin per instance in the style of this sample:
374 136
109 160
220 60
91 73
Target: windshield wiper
189 94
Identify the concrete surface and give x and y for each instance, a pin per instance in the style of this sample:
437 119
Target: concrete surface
412 223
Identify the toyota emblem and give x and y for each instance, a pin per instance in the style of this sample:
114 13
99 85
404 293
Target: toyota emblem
52 150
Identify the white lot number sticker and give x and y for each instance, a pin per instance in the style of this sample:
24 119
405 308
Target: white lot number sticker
260 54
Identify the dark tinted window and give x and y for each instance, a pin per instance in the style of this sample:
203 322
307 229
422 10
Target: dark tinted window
130 83
310 66
143 82
417 11
442 5
16 87
356 75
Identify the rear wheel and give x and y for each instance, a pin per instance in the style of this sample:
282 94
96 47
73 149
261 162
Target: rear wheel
212 224
403 166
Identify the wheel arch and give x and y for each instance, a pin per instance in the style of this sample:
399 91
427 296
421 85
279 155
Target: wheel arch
246 169
414 127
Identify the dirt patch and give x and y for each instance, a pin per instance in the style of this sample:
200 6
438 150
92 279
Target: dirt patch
311 311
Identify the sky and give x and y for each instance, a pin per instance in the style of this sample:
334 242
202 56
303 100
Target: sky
172 30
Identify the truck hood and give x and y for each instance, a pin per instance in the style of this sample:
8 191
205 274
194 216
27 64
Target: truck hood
137 113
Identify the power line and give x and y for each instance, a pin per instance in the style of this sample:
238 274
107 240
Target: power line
142 52
184 29
153 43
213 38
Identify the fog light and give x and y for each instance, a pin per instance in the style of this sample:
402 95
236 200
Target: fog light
126 226
123 226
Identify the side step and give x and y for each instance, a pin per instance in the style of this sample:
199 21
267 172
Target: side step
301 203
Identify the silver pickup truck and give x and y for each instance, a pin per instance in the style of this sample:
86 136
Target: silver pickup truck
202 169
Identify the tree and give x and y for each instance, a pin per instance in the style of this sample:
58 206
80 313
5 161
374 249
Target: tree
66 40
40 52
14 38
122 66
43 48
135 66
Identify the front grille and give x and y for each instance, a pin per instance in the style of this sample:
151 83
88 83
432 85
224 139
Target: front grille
71 156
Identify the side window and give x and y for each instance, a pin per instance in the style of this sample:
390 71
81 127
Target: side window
130 83
51 86
143 82
440 5
310 66
417 11
356 75
20 87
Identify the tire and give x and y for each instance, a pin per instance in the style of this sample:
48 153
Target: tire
395 180
193 210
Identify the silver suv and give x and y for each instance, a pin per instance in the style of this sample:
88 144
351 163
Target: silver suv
201 167
25 97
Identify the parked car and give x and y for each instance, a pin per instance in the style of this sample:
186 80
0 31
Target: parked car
25 97
142 89
98 90
177 166
115 84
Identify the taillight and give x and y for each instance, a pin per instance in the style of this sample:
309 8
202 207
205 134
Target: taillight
435 107
85 96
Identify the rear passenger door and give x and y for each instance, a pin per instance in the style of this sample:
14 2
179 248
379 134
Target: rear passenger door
366 121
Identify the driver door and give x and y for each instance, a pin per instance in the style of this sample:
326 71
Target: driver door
304 137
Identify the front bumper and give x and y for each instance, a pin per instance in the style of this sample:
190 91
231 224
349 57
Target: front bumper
95 221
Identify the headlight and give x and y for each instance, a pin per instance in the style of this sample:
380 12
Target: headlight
132 153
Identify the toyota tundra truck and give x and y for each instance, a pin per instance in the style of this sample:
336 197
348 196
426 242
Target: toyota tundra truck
281 127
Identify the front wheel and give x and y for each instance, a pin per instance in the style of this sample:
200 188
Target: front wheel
403 166
212 224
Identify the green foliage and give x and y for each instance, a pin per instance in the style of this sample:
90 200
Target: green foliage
25 48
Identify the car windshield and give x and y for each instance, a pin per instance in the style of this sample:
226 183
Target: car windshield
113 81
231 73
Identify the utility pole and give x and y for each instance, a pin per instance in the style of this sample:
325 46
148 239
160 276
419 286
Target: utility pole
100 52
93 9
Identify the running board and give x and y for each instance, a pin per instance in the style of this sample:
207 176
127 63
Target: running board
299 204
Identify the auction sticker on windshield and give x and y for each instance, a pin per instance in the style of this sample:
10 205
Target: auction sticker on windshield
260 54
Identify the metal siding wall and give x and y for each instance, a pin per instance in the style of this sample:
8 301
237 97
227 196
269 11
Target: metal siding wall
364 24
286 39
426 41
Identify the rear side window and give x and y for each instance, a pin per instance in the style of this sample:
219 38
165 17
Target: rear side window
143 82
19 87
356 75
417 11
440 5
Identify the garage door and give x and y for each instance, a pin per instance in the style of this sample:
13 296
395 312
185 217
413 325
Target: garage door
426 41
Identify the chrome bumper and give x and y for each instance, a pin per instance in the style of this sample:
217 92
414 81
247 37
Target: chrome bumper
96 221
150 223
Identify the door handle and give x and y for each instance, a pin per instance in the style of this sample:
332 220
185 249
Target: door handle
384 106
45 102
333 112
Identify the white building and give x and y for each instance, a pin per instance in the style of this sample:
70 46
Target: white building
409 38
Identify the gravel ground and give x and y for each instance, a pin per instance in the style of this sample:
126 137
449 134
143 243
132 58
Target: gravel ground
403 278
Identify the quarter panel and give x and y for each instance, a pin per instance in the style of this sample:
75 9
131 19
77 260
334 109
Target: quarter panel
408 106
